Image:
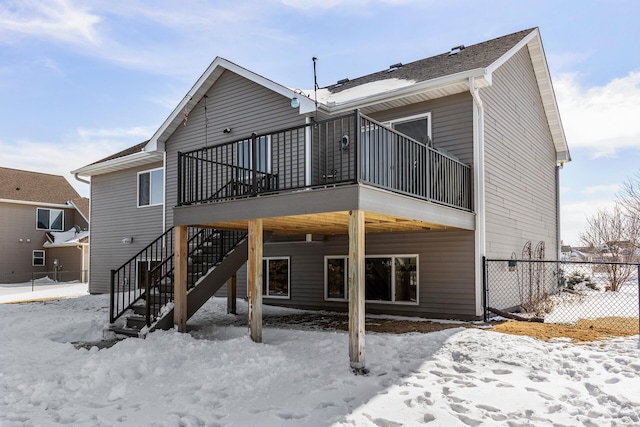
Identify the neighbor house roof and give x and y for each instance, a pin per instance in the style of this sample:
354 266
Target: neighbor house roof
37 187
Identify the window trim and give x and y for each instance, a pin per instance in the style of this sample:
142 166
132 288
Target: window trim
276 258
393 279
393 122
33 258
150 172
50 209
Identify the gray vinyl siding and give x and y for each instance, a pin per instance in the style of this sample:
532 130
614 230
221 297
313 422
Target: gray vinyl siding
115 215
445 271
233 102
451 123
520 162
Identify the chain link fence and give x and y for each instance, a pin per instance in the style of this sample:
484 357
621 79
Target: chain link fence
564 292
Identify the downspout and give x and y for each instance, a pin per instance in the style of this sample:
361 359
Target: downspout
478 192
558 229
77 176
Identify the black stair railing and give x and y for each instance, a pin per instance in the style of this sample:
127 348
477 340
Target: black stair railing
149 274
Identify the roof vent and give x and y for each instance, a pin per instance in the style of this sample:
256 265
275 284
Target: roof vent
456 50
394 67
341 82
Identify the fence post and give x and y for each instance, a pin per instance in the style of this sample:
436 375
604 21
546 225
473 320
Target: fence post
485 289
638 284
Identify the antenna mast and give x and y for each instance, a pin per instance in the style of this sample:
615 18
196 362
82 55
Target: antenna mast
315 84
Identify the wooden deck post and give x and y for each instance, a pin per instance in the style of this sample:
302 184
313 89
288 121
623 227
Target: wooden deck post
254 273
180 279
231 295
356 291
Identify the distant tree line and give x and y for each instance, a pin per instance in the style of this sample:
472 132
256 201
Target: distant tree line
615 233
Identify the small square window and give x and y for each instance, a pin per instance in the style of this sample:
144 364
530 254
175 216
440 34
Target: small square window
38 258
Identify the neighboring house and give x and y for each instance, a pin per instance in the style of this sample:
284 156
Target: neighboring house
390 189
43 228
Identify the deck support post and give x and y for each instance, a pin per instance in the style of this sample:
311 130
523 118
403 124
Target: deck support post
231 295
180 279
254 273
356 291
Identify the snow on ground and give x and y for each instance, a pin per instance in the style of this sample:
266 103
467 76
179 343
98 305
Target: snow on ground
42 288
216 376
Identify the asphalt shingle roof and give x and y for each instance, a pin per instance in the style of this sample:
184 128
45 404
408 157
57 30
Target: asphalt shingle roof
35 187
475 56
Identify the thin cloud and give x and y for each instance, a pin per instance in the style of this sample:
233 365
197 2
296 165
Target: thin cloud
140 132
601 189
573 217
602 119
49 19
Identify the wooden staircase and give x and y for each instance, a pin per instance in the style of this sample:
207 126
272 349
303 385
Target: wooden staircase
142 290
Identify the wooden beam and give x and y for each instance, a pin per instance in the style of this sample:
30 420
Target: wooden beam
356 290
254 273
180 279
231 295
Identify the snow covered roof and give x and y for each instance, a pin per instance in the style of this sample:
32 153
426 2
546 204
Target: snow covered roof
71 237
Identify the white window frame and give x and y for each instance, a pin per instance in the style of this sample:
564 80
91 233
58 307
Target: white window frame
150 172
43 257
266 279
392 123
50 210
393 278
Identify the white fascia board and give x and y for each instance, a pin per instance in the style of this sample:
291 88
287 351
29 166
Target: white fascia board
479 73
39 204
136 159
202 86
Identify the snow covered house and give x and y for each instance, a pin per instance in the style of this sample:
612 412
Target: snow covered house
383 195
43 228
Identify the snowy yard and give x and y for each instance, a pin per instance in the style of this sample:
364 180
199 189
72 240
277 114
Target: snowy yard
216 376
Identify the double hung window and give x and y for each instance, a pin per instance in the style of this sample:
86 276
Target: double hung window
151 187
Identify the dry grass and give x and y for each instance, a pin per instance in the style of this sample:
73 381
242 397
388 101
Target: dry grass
584 330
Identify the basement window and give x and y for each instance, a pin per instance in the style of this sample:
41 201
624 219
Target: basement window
388 279
275 277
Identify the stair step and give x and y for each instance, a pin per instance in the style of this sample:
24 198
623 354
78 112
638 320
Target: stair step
141 309
129 332
136 322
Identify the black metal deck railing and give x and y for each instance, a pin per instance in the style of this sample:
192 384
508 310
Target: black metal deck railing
344 150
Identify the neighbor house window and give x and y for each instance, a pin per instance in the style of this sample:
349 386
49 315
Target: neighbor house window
275 277
151 187
49 219
392 278
38 258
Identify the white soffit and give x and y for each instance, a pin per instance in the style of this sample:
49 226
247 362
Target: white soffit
142 158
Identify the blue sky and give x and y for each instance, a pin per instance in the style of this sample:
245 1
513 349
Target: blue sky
82 79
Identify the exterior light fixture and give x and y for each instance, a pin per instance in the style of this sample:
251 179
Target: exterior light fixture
127 240
226 130
295 103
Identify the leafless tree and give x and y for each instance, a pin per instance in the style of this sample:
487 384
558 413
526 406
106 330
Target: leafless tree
629 201
612 233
